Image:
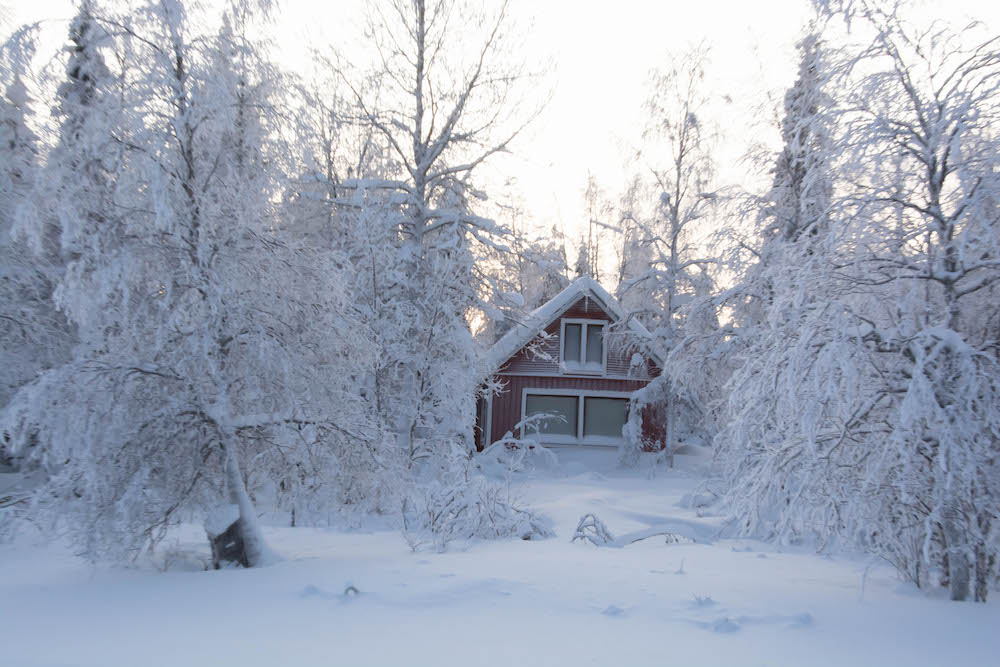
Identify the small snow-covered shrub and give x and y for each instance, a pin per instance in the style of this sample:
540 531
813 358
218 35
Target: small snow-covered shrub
593 530
510 455
465 505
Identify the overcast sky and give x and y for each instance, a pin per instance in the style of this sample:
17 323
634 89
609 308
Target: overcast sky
602 53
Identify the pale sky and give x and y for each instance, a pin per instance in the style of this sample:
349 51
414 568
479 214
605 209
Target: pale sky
602 53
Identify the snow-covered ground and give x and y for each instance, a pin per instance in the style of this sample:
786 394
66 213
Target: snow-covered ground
551 602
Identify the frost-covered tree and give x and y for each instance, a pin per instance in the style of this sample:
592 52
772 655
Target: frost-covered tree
792 214
800 195
543 271
679 142
440 98
527 273
597 211
33 334
213 347
22 289
875 417
632 248
552 269
77 193
19 144
336 151
582 267
444 106
771 254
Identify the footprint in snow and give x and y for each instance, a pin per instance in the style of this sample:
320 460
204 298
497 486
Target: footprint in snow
724 625
614 611
800 620
312 591
803 620
702 601
730 624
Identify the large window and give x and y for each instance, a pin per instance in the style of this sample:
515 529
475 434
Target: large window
559 414
583 346
604 417
574 417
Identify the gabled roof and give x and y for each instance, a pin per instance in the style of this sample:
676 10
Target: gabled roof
522 333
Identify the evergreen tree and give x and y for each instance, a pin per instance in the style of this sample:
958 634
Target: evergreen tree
33 334
867 406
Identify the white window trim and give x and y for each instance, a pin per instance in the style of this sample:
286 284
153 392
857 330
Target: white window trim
563 368
554 439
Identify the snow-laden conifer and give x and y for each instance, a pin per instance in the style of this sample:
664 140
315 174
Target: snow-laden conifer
868 408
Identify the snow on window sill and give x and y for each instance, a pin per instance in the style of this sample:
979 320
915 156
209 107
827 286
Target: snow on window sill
549 439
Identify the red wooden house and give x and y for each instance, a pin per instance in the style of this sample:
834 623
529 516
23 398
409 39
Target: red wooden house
561 362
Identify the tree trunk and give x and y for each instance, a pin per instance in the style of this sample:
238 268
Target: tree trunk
241 542
668 449
958 560
982 573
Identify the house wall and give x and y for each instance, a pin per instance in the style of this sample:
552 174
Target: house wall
526 370
506 409
619 360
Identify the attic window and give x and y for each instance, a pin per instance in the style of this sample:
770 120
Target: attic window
583 349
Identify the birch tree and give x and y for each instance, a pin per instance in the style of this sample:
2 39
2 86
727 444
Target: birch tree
679 139
446 104
208 338
597 211
526 274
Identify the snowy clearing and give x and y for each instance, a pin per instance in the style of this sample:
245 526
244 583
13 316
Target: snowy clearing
551 602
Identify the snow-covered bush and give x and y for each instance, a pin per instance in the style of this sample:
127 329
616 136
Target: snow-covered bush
513 455
592 529
460 503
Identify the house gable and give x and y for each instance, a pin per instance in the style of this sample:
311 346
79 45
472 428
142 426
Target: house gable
532 376
543 358
519 351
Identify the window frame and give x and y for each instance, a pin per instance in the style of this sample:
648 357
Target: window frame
539 434
586 323
580 394
583 422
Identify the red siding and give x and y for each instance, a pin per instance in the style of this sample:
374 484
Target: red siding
526 371
526 362
507 405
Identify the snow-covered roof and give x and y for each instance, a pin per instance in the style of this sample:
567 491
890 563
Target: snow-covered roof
522 333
